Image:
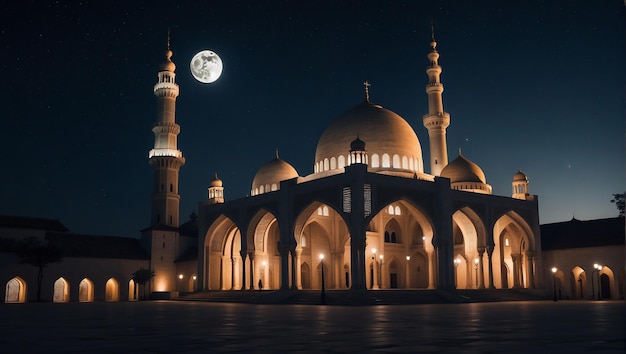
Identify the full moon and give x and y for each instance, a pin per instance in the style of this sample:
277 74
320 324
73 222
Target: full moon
206 66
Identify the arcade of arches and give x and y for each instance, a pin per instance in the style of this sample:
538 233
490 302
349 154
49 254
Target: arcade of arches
399 251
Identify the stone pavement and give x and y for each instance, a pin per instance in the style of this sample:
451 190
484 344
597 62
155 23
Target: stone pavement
200 327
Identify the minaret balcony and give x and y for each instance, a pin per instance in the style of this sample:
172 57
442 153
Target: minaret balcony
166 86
165 152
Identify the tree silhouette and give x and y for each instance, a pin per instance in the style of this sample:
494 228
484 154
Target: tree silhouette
142 276
618 200
32 251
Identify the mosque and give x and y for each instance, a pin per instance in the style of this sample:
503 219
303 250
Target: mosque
368 217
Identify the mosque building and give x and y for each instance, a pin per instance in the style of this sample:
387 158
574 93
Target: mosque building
369 216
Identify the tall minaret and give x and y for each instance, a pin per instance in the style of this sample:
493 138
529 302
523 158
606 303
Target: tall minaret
165 158
436 121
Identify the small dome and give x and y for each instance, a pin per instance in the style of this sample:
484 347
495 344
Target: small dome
269 176
216 182
168 65
357 144
463 170
520 177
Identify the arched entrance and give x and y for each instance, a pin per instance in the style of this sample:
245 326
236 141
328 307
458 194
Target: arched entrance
85 290
112 290
61 291
15 291
605 286
132 290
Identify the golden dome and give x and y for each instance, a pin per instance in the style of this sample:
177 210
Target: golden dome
520 177
269 176
216 182
168 65
463 170
388 136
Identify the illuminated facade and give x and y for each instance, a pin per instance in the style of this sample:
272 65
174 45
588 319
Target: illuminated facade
375 216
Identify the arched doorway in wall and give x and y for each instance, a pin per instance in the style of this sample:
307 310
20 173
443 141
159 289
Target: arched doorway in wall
265 234
468 233
460 269
578 283
15 291
112 290
394 275
320 230
305 276
514 252
132 290
419 267
61 291
605 286
85 290
223 264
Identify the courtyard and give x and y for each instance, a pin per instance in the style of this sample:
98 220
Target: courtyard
203 327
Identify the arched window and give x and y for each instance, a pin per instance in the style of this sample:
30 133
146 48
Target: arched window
274 187
262 189
303 241
387 238
390 210
112 292
15 290
171 187
396 161
411 165
386 162
325 210
326 164
333 163
405 163
375 161
397 210
341 162
394 239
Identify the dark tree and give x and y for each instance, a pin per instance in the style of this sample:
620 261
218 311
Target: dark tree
32 251
618 200
141 277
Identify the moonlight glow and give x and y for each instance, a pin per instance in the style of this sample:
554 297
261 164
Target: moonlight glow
206 66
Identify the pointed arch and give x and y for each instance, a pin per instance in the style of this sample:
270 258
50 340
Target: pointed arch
112 290
61 292
132 290
15 291
578 283
85 290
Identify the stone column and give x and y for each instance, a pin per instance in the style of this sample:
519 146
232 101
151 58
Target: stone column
481 270
375 273
284 268
516 269
530 268
251 254
490 266
294 270
431 270
298 266
243 269
233 271
222 270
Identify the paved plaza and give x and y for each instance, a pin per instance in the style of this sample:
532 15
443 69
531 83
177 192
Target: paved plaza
202 327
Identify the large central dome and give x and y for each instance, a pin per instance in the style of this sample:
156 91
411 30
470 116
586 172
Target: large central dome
391 142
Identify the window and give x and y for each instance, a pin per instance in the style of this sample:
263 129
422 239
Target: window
341 161
387 237
375 161
386 161
396 161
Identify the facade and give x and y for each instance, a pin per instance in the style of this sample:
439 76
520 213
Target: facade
368 217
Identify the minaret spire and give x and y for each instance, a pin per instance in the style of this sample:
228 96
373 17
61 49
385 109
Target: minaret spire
165 157
437 120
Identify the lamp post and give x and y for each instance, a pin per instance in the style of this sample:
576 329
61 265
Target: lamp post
456 274
408 278
194 283
554 281
374 270
380 272
597 269
476 271
180 283
323 294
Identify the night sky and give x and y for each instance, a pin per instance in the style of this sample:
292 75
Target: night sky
531 85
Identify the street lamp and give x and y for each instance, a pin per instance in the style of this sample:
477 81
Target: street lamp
597 270
180 282
323 294
374 266
554 281
476 270
194 283
456 274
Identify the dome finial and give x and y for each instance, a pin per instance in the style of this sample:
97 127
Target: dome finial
367 90
460 152
168 38
277 153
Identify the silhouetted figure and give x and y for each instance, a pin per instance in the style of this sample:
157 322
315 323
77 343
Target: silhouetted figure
260 284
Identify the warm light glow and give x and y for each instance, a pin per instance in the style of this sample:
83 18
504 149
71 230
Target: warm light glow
423 238
180 276
321 256
264 263
408 258
597 266
476 260
506 242
373 250
457 261
165 152
381 257
194 277
553 269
